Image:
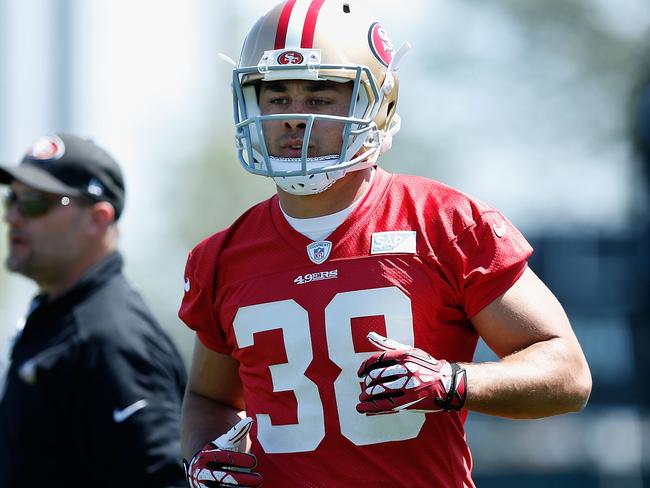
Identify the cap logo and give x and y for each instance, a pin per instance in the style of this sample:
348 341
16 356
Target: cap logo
290 57
95 187
380 44
47 147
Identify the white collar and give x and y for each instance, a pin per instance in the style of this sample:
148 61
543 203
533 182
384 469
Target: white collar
318 228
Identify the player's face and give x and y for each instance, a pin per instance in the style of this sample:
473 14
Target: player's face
43 246
284 138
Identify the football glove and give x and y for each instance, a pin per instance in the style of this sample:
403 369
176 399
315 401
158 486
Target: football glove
219 463
401 377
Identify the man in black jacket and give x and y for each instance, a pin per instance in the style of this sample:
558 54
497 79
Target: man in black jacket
92 390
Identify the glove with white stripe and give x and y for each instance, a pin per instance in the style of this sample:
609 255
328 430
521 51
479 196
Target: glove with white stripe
401 377
219 463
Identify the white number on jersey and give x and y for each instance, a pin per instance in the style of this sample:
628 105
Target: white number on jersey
293 320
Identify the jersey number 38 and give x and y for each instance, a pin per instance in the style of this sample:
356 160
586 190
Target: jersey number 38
293 320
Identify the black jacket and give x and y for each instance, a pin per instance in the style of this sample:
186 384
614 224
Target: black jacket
93 392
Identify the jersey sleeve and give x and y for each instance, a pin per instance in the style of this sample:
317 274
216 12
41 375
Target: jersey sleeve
489 256
198 307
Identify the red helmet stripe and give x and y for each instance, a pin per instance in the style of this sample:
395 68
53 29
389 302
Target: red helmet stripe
283 24
309 28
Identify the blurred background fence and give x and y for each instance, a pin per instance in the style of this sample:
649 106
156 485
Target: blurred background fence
539 108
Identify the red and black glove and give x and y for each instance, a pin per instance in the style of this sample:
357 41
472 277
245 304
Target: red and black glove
219 463
401 377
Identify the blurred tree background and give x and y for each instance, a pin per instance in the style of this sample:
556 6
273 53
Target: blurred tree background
526 105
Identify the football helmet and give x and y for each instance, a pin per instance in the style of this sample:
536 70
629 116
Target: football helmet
317 40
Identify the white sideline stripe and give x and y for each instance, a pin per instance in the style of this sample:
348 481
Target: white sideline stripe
296 23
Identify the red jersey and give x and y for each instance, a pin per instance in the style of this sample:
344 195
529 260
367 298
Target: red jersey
414 262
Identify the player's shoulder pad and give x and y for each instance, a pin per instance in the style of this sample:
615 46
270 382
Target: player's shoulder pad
449 210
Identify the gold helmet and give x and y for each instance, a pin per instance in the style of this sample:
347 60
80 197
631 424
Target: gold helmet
318 40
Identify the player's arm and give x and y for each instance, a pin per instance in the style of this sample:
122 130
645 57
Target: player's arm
542 370
213 400
212 432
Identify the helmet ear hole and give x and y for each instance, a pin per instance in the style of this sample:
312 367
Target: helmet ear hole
346 8
390 111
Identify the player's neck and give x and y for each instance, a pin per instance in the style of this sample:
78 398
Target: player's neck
340 195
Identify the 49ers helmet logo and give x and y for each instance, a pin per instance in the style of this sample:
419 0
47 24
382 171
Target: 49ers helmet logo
290 57
380 44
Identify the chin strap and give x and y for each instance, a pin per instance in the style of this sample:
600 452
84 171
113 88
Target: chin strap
393 67
308 185
227 59
386 88
393 128
399 55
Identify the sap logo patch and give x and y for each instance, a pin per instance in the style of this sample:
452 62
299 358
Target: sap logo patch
320 276
396 241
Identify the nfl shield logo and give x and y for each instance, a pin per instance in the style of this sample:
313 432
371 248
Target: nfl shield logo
319 251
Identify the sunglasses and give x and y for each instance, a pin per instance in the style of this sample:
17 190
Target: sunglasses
33 204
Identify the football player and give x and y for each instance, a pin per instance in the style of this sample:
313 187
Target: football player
341 315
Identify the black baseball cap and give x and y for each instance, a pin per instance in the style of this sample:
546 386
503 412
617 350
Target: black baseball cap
69 165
